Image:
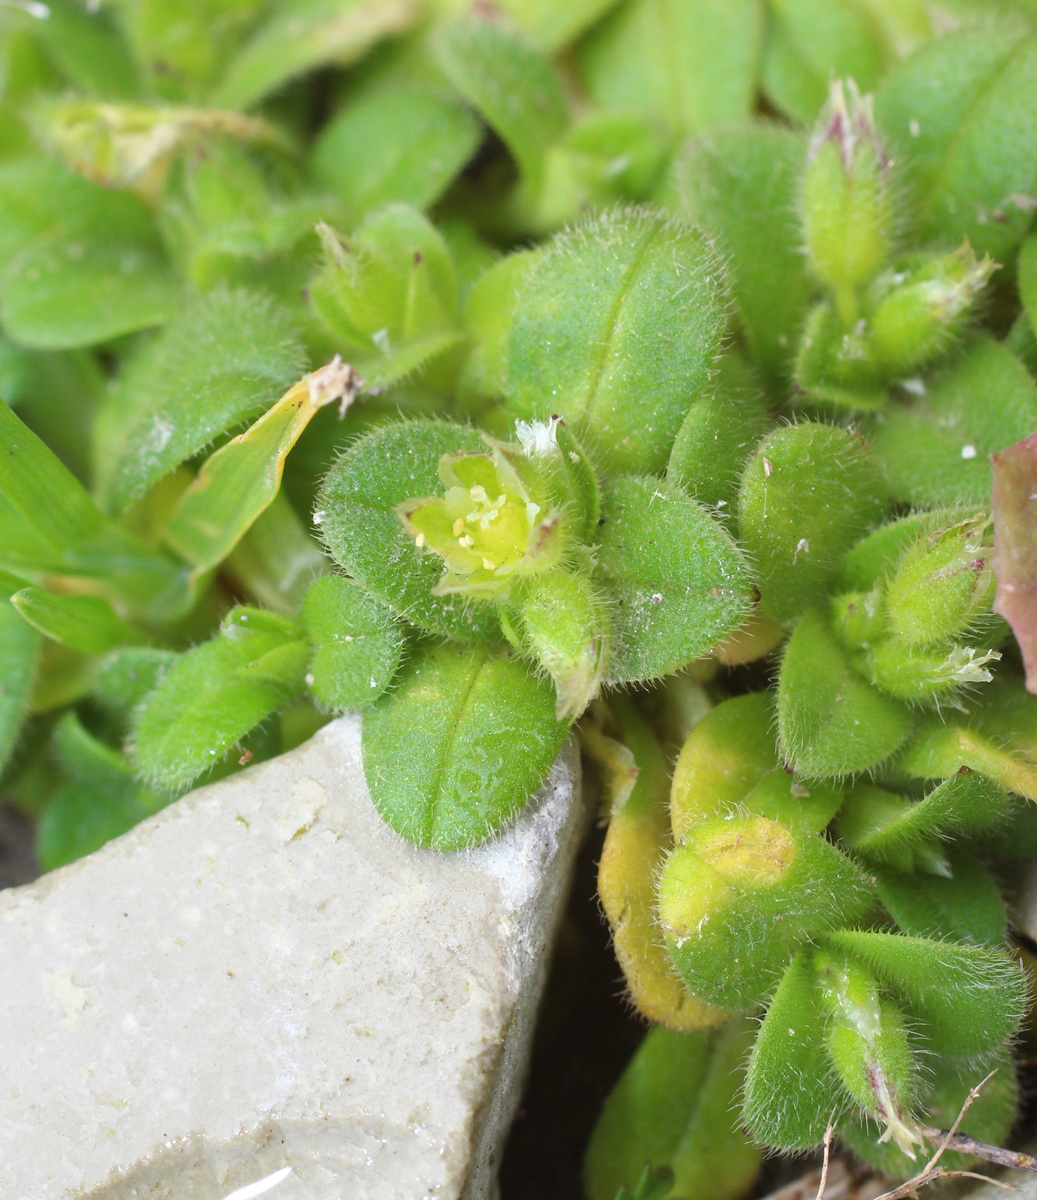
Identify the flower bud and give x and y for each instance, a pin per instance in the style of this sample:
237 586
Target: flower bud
845 201
943 583
868 1047
564 624
921 308
925 676
488 528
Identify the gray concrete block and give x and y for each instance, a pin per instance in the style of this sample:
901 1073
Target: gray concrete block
264 991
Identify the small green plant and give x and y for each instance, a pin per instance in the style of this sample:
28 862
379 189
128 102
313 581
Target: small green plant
505 372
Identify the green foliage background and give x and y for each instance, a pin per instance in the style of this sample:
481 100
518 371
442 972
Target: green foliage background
721 352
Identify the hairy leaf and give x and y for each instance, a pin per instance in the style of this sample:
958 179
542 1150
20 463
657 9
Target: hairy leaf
405 144
691 65
807 494
625 307
222 360
830 722
741 187
439 748
970 998
790 1094
299 35
678 583
936 451
355 640
512 86
214 694
809 42
672 1106
961 118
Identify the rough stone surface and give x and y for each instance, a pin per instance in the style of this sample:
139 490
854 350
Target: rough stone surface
263 991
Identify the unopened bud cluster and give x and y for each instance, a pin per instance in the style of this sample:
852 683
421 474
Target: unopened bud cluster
926 630
883 317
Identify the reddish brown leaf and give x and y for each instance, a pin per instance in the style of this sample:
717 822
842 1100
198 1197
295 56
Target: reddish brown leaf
1015 547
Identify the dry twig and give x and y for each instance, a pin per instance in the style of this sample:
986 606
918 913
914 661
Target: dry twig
946 1140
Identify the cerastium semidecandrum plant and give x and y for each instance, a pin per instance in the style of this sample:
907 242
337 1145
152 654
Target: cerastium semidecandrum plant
671 423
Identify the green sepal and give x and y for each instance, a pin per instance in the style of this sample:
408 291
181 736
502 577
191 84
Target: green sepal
857 618
672 1106
835 367
943 583
791 1092
969 1000
439 748
877 554
355 644
678 583
830 722
922 676
565 627
98 800
88 624
627 305
567 471
918 308
357 516
807 494
739 895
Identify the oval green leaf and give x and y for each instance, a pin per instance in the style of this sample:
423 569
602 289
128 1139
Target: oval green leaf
457 748
679 584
